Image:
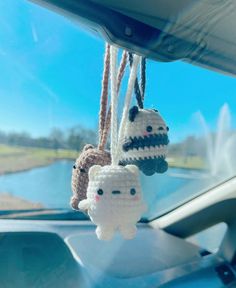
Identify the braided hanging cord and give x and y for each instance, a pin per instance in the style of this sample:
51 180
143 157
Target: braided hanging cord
116 135
139 89
104 98
114 104
131 85
121 72
143 77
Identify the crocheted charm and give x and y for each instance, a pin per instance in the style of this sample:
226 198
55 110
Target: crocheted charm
145 141
114 200
89 156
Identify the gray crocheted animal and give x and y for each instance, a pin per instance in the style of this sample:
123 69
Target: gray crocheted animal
145 141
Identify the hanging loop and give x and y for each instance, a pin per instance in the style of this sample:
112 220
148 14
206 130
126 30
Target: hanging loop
139 89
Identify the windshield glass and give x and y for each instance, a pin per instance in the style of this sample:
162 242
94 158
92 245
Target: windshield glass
50 88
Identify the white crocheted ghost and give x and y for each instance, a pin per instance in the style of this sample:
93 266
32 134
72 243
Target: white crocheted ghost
114 200
145 141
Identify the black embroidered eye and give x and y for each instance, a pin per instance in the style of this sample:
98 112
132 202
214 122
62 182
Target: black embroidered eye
132 191
149 128
100 192
167 128
82 170
74 167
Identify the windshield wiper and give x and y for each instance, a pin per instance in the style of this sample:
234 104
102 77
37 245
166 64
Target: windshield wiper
43 214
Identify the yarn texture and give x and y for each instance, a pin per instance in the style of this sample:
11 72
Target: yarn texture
145 137
114 200
91 155
145 141
79 183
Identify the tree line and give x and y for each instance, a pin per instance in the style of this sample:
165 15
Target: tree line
74 139
190 146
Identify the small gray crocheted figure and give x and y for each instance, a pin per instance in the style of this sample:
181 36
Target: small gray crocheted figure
145 141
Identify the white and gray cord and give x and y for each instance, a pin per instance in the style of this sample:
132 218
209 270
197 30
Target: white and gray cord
117 136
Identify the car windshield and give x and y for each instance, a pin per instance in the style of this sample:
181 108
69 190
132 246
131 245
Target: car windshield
50 89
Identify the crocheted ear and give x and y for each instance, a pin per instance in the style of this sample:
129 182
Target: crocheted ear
87 147
132 113
132 168
93 171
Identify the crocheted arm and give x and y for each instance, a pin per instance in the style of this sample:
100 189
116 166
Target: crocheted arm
84 204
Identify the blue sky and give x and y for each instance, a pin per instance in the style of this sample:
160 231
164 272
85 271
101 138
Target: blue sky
51 73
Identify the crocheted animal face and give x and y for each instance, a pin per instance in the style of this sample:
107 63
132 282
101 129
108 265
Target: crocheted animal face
79 183
145 142
114 200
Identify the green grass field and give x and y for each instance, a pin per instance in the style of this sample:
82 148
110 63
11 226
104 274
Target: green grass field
14 159
190 162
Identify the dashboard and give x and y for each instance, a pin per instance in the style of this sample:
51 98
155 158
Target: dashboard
68 254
